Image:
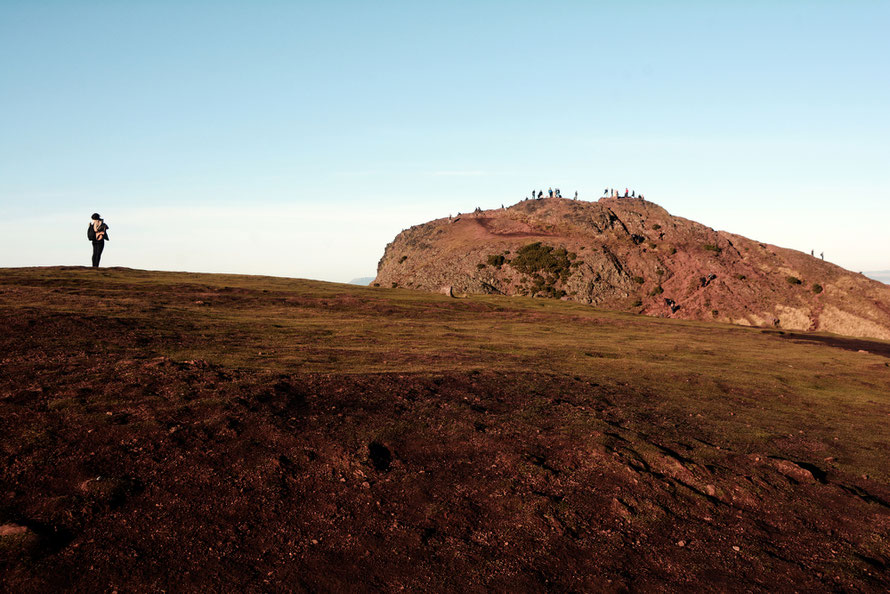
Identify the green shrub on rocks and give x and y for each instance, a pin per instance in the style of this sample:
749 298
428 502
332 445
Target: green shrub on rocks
546 265
793 280
496 260
537 257
817 288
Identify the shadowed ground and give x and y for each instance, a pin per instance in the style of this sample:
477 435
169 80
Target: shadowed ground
184 431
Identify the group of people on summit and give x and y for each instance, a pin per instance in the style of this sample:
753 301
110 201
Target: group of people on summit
538 194
612 192
555 193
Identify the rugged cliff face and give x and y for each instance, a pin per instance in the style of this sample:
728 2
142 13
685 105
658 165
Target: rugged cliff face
632 255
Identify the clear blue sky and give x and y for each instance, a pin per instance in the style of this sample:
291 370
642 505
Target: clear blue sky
297 138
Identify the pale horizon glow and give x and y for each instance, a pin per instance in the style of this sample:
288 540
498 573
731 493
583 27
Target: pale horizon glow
297 139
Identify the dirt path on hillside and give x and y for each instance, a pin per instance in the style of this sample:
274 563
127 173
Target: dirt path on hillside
496 228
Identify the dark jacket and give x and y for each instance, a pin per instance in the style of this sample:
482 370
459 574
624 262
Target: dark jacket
91 232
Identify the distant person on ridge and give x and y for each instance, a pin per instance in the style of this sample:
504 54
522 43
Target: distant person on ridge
97 232
576 194
625 192
550 192
822 255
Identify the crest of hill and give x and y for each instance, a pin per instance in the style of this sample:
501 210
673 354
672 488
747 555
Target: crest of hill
632 255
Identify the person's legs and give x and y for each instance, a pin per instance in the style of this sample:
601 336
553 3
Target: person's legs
98 246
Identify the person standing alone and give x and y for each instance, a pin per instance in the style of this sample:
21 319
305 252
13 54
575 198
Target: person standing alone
97 232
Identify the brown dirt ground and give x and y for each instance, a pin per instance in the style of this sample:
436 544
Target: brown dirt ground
123 468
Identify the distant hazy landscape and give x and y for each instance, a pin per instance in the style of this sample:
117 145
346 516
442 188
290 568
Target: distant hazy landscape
879 275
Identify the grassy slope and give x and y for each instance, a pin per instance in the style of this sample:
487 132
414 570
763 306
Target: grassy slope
286 325
742 390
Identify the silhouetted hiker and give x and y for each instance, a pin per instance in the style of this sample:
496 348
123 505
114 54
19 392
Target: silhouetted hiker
812 252
550 192
540 194
97 232
822 255
632 193
606 192
576 194
625 192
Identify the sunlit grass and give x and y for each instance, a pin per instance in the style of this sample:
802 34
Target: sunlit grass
748 387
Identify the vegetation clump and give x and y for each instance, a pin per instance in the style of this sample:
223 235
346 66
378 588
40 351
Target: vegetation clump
546 265
817 288
656 226
637 303
712 248
639 280
537 257
402 259
740 276
793 280
496 260
658 290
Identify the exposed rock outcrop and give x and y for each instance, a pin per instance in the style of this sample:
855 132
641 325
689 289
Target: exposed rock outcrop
632 255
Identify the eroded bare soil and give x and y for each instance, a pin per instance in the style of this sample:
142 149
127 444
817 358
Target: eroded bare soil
124 469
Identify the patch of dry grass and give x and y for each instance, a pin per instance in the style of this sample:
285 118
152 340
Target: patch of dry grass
749 388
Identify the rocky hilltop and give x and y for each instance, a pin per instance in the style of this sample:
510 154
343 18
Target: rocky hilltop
632 255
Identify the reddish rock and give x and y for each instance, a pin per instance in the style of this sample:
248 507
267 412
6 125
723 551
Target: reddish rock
632 255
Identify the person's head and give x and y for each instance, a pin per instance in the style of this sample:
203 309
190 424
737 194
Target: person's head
96 217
